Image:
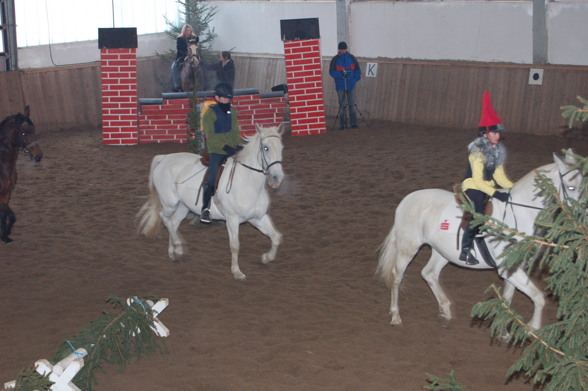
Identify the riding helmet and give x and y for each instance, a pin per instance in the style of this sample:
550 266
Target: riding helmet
224 90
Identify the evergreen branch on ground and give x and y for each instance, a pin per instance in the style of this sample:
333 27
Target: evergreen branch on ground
114 338
441 384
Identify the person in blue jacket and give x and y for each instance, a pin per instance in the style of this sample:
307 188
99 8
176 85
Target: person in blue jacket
345 70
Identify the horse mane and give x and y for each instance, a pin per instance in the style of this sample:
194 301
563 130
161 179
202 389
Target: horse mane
265 132
16 119
529 178
250 137
6 125
5 121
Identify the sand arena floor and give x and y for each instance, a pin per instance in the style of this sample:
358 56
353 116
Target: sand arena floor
315 319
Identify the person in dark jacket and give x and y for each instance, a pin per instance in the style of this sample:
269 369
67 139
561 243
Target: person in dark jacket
344 68
225 69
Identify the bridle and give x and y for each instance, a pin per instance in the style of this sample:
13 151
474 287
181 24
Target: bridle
191 55
26 148
562 188
265 166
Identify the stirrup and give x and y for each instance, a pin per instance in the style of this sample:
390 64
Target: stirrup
471 260
464 254
467 257
205 217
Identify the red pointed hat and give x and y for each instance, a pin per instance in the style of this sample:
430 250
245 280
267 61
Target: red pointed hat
490 121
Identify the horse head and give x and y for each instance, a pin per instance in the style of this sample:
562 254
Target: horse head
191 73
568 176
193 57
25 135
268 142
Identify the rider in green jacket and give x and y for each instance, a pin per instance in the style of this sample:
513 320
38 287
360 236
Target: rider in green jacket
223 136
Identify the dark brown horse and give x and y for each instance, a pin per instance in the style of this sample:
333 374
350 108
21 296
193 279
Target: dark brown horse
17 133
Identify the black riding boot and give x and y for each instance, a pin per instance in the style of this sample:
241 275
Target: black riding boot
467 241
207 191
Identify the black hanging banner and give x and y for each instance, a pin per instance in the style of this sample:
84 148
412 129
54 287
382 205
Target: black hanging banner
294 29
117 38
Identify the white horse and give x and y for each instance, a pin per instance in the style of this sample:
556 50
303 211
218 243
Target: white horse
432 216
175 190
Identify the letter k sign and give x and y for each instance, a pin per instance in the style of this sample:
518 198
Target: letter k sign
372 69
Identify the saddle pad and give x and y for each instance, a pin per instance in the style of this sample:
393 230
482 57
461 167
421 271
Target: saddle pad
450 219
449 223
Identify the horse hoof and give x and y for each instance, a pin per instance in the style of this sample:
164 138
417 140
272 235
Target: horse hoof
239 276
444 322
6 239
175 255
396 321
504 336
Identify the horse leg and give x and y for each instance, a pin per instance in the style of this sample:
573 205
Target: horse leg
402 261
395 258
521 281
508 292
171 219
266 226
233 229
431 273
7 220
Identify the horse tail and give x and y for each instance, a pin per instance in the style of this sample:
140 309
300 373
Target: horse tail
148 216
387 260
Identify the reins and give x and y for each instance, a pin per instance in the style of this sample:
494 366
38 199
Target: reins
512 210
564 193
523 205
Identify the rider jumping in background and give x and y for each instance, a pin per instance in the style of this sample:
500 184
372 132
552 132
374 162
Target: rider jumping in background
182 42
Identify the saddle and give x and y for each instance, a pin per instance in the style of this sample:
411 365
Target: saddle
204 159
467 216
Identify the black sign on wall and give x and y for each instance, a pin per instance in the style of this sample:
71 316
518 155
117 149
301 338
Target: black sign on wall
117 38
293 29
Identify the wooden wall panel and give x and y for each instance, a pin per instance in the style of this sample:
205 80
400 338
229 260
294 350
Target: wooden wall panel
436 93
11 99
64 97
153 77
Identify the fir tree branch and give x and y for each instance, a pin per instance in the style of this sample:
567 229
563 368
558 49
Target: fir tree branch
492 223
526 327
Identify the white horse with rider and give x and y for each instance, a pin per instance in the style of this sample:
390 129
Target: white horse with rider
175 190
433 217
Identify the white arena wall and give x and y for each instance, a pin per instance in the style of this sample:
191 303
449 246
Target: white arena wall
481 31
